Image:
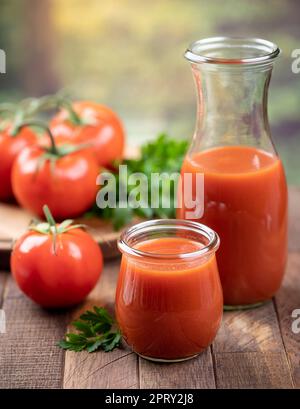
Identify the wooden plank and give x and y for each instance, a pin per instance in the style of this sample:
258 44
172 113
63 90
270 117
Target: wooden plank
294 218
196 373
287 300
29 357
254 330
252 370
116 369
249 352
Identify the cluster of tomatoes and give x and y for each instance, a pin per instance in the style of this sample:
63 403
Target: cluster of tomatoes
60 172
54 176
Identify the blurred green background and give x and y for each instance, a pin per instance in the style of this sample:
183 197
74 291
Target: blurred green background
128 54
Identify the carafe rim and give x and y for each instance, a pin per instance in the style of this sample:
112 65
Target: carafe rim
209 50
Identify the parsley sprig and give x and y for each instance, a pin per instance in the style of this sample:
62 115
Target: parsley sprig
163 155
95 330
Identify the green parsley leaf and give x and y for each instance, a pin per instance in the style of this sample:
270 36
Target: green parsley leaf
163 155
95 329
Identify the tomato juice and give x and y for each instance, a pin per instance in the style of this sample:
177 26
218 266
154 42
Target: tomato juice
169 309
245 202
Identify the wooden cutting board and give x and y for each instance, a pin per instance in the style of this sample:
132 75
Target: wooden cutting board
14 222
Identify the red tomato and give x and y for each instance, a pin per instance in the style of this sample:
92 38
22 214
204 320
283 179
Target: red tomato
10 147
100 127
59 277
67 185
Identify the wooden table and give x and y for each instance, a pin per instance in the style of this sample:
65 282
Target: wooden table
253 349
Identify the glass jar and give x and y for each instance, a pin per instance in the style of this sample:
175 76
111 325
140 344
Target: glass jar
169 298
245 192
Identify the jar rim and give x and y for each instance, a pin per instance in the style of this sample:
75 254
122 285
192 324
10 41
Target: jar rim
169 224
206 50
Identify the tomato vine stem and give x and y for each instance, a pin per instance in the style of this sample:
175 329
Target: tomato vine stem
42 125
52 225
73 116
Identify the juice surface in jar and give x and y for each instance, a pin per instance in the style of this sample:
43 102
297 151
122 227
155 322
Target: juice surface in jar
245 202
169 310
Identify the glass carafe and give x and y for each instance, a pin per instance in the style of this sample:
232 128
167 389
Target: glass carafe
245 193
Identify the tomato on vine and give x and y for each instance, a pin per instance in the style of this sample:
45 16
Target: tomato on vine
12 142
56 265
89 122
61 175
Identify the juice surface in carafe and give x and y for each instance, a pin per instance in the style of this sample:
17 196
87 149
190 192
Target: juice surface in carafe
245 202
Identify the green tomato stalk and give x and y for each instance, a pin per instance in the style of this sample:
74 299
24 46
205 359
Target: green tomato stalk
52 228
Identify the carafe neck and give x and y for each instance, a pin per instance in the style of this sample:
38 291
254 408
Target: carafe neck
232 95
